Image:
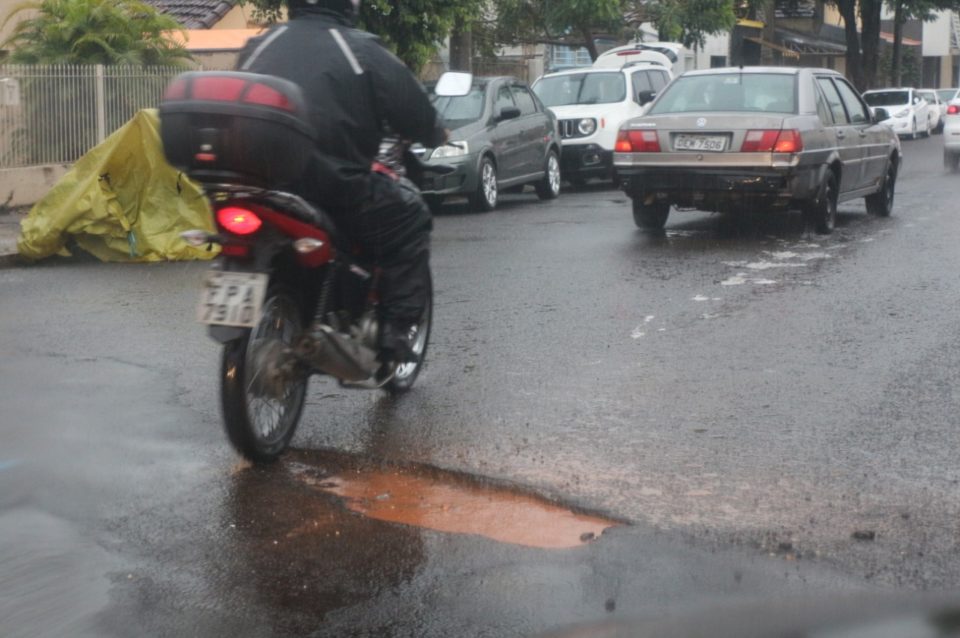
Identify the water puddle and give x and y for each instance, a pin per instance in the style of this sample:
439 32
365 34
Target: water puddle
457 506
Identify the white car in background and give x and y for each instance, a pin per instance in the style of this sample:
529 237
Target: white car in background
938 108
948 95
951 136
590 104
909 113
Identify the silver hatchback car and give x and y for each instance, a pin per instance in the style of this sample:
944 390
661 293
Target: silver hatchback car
772 138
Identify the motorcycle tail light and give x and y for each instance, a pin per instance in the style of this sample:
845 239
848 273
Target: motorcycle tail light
218 89
267 96
239 221
633 141
772 141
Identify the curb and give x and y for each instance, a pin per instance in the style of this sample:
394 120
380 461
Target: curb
11 260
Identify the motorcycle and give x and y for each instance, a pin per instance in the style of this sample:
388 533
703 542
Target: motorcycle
289 296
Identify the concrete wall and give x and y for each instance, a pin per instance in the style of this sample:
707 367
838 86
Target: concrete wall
25 186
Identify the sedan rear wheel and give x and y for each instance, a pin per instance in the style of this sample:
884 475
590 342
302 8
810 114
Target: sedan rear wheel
821 213
881 202
650 216
549 186
485 198
951 161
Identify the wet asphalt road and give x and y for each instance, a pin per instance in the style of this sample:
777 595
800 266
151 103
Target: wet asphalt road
773 412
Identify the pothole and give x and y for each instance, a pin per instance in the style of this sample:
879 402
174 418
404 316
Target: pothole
455 505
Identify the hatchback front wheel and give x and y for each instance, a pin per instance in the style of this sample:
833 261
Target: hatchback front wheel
485 197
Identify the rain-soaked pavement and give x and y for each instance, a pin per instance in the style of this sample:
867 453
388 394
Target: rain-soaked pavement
612 425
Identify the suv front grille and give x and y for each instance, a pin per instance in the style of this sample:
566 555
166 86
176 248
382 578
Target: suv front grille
568 128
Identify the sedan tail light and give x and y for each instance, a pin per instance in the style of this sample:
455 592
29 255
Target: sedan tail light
239 221
772 141
634 141
953 109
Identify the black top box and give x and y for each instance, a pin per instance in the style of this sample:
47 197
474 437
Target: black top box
236 128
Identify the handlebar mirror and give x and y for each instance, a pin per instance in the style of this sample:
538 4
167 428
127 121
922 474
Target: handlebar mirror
454 84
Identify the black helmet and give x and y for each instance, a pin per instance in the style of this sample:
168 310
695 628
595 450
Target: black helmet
347 8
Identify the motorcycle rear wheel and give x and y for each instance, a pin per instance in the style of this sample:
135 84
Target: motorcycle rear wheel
406 373
261 410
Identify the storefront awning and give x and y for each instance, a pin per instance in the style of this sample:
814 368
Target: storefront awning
809 44
907 42
776 47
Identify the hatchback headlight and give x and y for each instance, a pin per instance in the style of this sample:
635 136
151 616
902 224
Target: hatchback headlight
903 113
586 126
450 149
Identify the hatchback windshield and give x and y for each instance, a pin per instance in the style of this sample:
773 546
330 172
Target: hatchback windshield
768 92
887 98
582 88
461 110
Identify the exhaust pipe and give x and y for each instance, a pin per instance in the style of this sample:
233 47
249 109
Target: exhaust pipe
337 354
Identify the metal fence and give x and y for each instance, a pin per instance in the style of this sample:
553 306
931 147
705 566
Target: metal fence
55 114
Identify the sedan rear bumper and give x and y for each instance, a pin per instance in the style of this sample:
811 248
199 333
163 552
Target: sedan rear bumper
719 189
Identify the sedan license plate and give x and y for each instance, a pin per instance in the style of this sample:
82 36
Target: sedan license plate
232 298
710 143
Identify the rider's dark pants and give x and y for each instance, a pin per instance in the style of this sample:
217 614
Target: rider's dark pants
392 224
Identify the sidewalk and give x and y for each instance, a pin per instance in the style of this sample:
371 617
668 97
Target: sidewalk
9 231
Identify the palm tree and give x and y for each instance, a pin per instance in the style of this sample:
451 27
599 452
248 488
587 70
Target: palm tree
94 32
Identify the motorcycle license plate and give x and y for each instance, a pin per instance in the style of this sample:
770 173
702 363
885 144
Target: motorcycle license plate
232 298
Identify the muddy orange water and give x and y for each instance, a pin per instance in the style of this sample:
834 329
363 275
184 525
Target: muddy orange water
458 508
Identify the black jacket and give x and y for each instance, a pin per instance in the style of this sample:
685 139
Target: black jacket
353 86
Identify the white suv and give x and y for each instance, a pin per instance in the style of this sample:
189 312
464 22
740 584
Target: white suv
590 105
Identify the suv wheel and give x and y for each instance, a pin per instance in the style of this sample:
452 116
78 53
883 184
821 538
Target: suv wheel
881 202
549 186
650 216
821 213
485 198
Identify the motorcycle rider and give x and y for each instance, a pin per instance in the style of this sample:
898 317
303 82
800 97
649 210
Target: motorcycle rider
354 86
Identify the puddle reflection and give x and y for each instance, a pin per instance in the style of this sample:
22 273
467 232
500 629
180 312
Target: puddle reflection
446 503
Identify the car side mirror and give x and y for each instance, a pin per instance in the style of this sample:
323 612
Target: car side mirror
508 113
645 96
880 114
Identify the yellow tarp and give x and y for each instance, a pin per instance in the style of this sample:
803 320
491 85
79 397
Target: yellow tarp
120 202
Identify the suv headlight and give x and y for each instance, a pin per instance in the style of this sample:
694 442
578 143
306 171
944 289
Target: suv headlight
903 113
450 149
586 126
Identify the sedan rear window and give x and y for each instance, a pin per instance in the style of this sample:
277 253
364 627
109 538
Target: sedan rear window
767 92
582 88
887 98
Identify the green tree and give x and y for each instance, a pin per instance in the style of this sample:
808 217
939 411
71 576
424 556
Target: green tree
413 29
904 10
94 32
691 21
574 23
